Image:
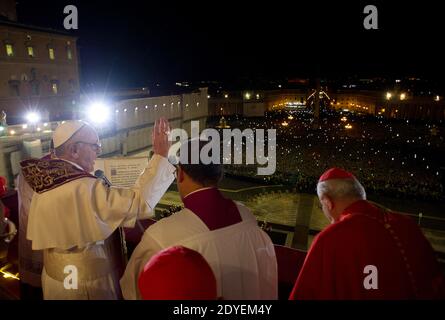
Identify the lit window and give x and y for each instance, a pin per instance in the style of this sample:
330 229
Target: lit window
9 50
30 52
51 53
54 88
69 53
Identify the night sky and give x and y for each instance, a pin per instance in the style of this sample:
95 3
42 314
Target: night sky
135 43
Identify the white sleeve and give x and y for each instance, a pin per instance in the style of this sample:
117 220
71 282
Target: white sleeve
122 206
85 210
155 179
146 248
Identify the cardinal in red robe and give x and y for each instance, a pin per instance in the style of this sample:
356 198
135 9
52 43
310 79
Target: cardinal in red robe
368 252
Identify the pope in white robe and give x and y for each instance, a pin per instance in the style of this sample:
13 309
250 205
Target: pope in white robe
73 214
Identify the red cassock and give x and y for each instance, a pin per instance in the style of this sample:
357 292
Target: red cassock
371 253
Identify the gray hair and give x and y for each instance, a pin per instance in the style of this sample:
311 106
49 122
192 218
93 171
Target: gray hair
60 151
341 188
63 148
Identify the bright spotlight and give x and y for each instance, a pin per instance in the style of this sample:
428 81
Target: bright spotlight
98 112
32 117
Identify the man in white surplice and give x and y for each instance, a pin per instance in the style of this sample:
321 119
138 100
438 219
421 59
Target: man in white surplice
226 233
73 213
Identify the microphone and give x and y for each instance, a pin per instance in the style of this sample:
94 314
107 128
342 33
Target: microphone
101 175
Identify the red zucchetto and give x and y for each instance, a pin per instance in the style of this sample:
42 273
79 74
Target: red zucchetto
335 173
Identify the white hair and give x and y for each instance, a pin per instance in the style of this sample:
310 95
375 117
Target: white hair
341 188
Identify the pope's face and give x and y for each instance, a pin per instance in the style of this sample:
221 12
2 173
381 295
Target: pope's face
88 147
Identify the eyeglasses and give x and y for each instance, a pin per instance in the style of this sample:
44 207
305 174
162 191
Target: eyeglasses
97 147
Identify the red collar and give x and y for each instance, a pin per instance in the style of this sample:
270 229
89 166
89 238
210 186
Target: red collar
195 198
360 206
197 192
212 208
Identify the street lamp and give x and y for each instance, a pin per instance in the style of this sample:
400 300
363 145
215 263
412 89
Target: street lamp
98 112
32 117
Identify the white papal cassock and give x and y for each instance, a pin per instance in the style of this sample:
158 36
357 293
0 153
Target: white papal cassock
242 256
72 222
